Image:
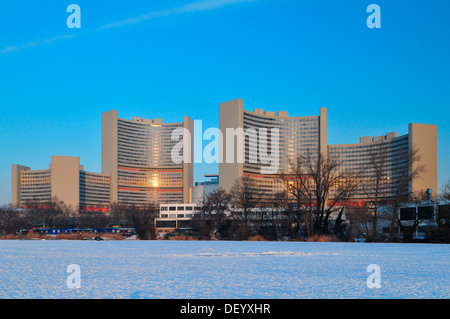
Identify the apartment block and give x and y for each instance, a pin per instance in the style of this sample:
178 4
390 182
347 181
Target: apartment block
390 155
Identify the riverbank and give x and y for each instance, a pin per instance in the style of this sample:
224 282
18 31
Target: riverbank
78 236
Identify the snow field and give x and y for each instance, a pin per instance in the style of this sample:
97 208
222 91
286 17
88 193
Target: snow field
220 269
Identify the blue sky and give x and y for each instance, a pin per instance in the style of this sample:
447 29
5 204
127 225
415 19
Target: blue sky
166 59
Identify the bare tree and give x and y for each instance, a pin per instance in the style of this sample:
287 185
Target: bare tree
389 176
218 201
404 173
67 215
245 197
377 173
54 209
278 209
269 219
212 218
10 220
442 232
201 221
360 222
36 211
445 191
117 212
142 219
321 189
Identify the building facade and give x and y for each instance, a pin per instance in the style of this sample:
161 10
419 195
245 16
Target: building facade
65 180
173 216
307 136
139 166
296 135
137 155
381 163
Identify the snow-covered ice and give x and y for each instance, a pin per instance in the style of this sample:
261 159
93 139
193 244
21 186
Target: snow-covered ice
221 269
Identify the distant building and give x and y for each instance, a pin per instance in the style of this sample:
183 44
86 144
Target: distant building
137 168
202 189
138 165
307 135
172 216
420 219
66 180
357 158
297 135
136 154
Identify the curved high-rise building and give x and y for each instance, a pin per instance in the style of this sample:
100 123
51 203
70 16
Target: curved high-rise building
269 143
137 154
381 163
307 136
64 180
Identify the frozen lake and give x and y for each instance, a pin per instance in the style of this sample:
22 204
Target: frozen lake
220 269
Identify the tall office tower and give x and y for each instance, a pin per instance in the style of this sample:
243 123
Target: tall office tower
266 157
390 155
66 180
137 155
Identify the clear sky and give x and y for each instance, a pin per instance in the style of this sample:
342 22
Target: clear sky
166 59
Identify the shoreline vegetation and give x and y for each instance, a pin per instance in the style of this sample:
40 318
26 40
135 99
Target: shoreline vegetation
239 216
78 236
87 236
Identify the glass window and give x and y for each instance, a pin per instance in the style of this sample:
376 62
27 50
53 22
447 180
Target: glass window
426 212
407 213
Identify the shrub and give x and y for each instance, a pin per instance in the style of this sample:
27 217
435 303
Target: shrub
322 238
257 238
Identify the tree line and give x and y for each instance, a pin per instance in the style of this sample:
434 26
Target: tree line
316 201
56 214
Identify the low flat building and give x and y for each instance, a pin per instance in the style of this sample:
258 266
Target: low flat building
173 216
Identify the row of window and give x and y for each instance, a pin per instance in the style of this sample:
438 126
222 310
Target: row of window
139 125
392 145
140 197
180 208
94 179
176 215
